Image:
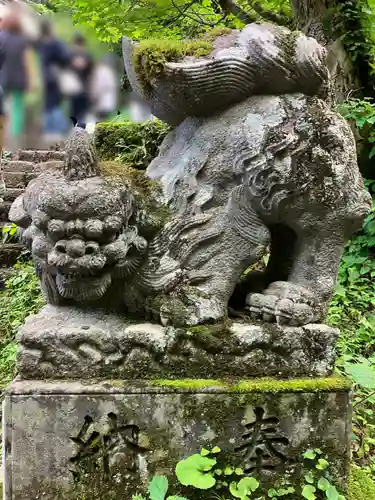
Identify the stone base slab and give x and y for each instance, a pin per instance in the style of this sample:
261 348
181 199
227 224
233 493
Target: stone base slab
71 343
111 437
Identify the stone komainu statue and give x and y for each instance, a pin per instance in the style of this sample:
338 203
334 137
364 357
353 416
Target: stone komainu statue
256 163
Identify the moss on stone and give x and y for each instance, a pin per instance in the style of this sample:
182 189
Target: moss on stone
218 31
151 56
150 214
136 144
266 385
216 329
361 487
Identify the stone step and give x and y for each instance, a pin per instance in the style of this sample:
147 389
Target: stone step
12 193
38 156
18 166
16 179
9 253
4 210
48 165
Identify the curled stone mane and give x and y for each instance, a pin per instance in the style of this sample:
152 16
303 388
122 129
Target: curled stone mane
81 160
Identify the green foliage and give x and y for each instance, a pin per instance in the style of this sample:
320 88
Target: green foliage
9 233
317 482
157 490
352 308
21 298
172 19
196 471
135 145
361 112
202 472
361 487
244 488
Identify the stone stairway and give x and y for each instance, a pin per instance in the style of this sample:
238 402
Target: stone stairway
19 169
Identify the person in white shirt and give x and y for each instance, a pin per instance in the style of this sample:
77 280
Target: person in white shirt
104 89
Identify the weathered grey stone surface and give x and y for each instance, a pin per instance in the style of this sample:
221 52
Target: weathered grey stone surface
270 171
259 59
70 343
49 434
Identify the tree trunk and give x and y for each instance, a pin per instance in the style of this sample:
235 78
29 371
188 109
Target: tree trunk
311 17
322 20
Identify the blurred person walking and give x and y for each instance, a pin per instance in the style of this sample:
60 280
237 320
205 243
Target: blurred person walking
17 73
82 65
55 57
104 88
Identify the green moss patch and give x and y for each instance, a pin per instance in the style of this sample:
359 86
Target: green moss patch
268 385
361 486
151 56
134 144
150 214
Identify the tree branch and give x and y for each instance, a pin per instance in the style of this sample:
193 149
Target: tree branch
268 15
195 16
231 7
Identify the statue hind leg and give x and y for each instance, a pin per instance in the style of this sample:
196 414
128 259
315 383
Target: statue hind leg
303 296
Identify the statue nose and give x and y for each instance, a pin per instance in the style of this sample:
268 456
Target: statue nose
75 248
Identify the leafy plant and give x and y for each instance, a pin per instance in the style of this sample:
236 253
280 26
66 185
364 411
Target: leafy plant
135 145
361 111
21 297
157 490
201 471
9 233
316 483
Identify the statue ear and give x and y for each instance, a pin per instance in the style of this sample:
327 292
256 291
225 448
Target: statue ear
17 214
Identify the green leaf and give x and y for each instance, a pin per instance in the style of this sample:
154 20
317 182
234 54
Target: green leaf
309 454
228 471
309 478
322 464
176 498
272 493
362 373
308 492
204 452
239 472
323 484
194 471
158 488
332 493
243 488
216 450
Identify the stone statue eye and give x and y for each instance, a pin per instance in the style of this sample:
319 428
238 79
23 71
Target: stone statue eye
40 220
93 229
56 228
113 224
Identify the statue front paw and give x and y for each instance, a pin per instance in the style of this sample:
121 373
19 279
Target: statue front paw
285 303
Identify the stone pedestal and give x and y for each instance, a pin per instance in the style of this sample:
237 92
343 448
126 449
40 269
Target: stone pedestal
62 342
118 434
124 401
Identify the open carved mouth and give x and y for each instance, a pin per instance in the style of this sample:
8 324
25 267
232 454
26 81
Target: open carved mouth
78 287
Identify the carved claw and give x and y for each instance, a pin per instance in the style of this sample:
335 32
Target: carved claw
283 302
